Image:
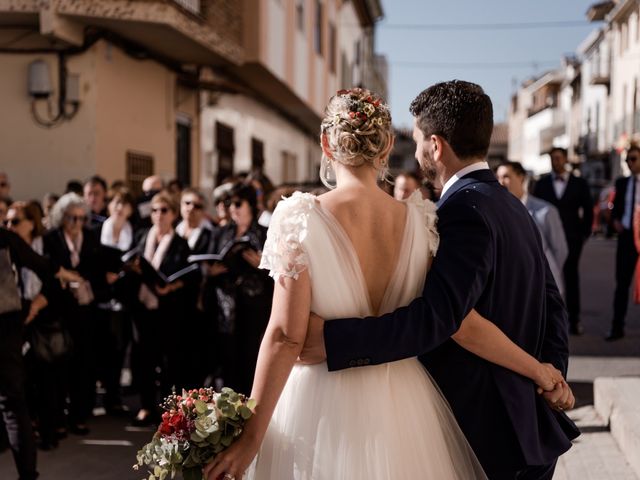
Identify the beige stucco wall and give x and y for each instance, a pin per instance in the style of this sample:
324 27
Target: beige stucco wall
126 104
135 111
38 159
250 118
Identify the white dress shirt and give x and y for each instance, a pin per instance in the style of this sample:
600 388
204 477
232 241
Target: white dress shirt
627 217
560 184
462 172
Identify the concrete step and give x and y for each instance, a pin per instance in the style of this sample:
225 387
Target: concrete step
617 402
595 454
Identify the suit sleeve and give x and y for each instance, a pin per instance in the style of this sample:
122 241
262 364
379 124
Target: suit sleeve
455 282
586 203
556 237
618 200
555 344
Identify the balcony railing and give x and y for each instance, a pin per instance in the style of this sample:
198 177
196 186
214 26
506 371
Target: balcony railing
192 5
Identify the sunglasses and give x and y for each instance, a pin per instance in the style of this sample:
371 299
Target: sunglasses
197 206
76 218
13 222
235 203
162 210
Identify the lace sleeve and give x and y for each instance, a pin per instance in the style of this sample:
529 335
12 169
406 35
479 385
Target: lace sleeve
283 252
428 210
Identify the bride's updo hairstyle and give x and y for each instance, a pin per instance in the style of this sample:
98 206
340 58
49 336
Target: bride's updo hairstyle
357 125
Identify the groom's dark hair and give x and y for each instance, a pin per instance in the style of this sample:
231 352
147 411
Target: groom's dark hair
458 111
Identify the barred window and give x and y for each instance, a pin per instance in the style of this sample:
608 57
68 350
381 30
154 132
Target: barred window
139 166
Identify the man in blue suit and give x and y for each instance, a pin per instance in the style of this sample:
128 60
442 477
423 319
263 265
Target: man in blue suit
490 258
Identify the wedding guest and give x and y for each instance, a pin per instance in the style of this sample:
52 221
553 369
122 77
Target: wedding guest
571 196
95 195
194 227
48 201
197 230
74 246
221 204
114 319
513 177
175 188
4 208
161 340
5 185
429 191
263 187
150 186
624 208
243 290
405 184
44 371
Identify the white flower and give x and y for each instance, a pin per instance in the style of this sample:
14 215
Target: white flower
369 109
336 120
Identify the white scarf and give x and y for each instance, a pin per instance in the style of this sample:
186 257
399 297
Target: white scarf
194 235
155 256
125 239
74 249
83 292
31 284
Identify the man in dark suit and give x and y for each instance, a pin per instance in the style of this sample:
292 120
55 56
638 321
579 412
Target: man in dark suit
490 258
624 206
571 196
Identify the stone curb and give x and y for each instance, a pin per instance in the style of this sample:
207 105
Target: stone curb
617 401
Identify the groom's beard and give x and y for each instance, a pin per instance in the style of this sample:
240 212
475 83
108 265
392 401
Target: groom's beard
428 167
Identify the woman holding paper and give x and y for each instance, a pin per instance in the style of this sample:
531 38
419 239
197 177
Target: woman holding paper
243 291
160 309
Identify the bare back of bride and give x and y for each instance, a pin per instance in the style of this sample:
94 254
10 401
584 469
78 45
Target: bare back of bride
354 251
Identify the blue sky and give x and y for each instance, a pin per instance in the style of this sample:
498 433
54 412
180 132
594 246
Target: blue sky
437 47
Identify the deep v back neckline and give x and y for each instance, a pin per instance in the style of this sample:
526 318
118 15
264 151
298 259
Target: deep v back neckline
345 240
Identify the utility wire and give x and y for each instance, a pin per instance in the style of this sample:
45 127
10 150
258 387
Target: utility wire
484 26
532 64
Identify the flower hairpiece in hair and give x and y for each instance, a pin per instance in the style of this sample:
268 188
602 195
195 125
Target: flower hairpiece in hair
363 110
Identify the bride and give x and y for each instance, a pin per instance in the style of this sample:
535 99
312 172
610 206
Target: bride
355 252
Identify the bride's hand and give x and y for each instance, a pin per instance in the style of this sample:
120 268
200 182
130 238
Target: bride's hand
233 462
547 377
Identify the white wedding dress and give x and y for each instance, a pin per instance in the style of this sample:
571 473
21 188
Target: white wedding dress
382 422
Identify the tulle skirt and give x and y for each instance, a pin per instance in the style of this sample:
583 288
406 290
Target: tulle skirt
383 422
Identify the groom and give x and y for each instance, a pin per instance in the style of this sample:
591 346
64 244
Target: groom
490 258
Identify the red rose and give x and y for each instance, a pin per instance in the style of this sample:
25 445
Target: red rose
165 428
343 92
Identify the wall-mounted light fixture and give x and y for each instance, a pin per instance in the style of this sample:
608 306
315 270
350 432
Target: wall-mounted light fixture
40 88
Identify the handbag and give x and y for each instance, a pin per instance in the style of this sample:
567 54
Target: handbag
50 341
9 292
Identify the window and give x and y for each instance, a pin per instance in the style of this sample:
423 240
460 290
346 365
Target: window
289 167
257 154
226 149
317 32
357 52
624 35
300 15
183 151
139 166
332 48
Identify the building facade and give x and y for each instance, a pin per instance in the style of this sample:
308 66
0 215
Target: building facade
191 89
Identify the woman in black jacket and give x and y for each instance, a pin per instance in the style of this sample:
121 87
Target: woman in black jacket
161 311
243 290
74 246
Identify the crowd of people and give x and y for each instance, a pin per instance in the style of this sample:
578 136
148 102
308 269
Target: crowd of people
131 294
186 326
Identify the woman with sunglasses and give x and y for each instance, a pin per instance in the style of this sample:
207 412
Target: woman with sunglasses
45 374
74 246
242 289
160 310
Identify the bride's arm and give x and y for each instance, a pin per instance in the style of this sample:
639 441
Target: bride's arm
483 338
281 345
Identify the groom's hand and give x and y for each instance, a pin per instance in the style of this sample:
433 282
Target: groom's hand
561 397
313 350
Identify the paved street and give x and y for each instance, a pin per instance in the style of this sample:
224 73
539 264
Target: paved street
109 451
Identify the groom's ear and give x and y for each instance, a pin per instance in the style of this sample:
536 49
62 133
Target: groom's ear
437 147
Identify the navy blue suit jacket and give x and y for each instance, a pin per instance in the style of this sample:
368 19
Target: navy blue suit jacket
490 258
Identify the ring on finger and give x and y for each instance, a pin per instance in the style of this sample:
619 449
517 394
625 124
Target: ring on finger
228 476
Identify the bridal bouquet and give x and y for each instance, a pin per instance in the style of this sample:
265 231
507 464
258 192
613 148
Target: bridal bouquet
196 426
